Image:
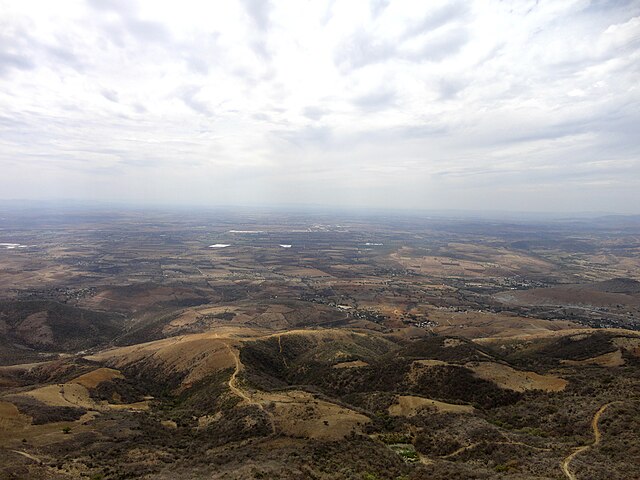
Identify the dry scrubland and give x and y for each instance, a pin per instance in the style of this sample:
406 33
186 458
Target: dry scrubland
372 348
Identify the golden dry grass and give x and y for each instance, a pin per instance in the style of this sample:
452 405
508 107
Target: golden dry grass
11 418
408 406
611 359
75 393
199 354
353 364
14 427
53 396
96 377
508 377
300 414
631 345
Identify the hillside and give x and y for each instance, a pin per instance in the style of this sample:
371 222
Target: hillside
33 327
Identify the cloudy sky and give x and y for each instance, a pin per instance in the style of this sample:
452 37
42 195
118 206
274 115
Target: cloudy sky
509 105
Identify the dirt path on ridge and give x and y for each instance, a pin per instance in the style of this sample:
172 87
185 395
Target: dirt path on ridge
596 440
284 360
233 386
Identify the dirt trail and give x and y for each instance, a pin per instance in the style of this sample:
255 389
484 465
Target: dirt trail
477 444
28 455
461 449
596 440
284 360
233 386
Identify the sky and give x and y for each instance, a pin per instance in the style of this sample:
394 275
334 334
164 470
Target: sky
473 105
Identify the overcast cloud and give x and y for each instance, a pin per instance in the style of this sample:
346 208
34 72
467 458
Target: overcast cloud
531 105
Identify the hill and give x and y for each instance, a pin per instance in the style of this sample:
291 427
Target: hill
31 327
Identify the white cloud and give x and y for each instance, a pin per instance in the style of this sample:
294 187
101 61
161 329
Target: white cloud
446 104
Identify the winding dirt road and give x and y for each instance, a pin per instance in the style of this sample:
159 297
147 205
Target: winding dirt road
233 386
596 440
